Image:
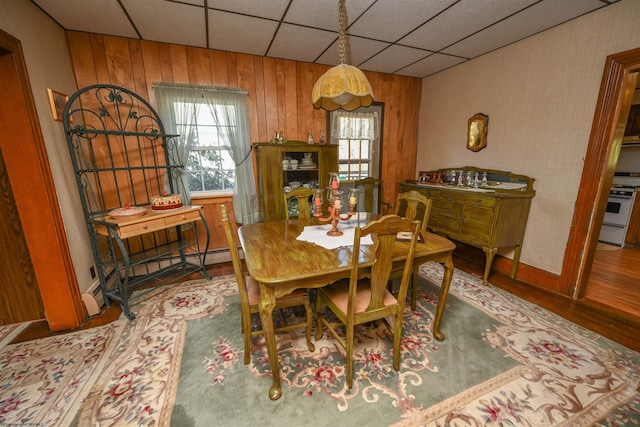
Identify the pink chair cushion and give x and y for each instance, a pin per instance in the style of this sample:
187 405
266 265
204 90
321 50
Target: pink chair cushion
339 294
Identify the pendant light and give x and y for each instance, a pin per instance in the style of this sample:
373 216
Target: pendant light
343 86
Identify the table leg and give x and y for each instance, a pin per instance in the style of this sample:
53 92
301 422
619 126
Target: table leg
267 304
442 299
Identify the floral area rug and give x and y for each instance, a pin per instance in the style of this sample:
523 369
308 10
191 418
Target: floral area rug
43 382
503 362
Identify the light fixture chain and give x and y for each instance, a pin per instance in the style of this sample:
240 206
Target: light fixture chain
341 23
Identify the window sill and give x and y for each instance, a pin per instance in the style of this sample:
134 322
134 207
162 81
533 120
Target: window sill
211 196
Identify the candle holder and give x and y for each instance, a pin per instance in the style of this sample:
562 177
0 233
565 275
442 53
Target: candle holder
317 202
334 181
334 197
353 200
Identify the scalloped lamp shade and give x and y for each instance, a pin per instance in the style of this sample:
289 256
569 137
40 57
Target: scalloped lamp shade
343 86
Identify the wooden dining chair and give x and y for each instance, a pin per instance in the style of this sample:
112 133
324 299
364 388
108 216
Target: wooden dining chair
249 291
356 301
302 195
416 206
369 185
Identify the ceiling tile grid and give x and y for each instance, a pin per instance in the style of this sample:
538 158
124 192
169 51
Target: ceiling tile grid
414 38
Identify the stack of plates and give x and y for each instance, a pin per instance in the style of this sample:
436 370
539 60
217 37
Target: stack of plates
307 164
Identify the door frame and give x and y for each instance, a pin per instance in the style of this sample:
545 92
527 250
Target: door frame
610 119
38 207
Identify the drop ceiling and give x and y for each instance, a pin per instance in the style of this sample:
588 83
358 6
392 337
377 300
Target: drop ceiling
414 38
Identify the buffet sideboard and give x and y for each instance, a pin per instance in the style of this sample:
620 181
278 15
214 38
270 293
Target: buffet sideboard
492 216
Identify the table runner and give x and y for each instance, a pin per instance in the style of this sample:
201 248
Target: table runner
318 234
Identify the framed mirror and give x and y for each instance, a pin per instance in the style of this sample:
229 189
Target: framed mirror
477 132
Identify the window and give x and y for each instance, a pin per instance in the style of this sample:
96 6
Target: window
354 157
357 134
213 143
210 165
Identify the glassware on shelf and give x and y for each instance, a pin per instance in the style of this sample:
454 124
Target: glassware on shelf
485 183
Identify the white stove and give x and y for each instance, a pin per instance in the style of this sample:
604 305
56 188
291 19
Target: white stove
619 208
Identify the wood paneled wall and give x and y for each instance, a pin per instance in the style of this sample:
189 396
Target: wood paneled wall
279 92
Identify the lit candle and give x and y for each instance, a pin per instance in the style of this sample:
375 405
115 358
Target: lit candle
337 204
352 200
317 201
335 184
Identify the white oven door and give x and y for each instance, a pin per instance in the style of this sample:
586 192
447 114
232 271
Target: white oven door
613 234
618 210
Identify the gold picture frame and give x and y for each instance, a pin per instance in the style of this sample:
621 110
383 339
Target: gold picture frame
477 132
57 100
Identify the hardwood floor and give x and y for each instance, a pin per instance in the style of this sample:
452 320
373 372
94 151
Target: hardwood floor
615 279
607 320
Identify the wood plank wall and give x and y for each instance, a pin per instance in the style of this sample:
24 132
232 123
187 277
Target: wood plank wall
279 95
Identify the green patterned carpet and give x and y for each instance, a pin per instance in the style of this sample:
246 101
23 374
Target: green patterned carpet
503 362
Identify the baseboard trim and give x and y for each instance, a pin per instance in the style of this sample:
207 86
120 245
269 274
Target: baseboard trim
529 274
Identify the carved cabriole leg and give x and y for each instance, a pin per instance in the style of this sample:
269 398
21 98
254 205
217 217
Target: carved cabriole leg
442 299
267 304
490 253
516 261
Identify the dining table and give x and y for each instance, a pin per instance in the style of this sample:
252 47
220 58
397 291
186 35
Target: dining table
290 254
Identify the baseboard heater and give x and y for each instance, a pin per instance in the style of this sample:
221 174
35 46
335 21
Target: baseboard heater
93 299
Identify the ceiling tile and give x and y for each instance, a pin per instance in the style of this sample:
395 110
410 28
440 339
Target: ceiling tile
406 16
92 16
430 65
533 20
358 51
271 9
394 58
309 43
323 13
461 20
306 30
168 22
228 32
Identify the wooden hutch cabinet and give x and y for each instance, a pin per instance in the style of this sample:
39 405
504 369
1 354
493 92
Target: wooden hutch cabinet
490 217
273 177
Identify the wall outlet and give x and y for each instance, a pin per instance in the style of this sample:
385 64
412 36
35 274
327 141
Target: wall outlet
92 270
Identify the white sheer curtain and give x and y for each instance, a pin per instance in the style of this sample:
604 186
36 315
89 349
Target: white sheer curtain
352 125
175 105
171 100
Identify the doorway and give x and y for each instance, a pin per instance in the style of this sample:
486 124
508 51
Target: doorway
19 295
610 119
33 194
613 279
